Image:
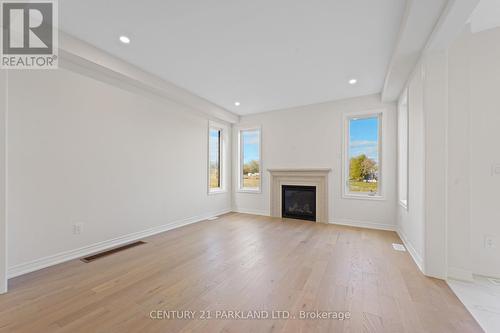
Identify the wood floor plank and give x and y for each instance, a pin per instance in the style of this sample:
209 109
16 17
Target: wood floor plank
239 262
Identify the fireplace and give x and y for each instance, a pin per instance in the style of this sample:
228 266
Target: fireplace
315 177
298 202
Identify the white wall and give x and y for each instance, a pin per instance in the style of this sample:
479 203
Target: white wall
456 92
473 136
423 225
311 137
458 207
485 151
84 151
3 187
411 220
435 194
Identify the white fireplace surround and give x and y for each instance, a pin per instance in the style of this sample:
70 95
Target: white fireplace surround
317 177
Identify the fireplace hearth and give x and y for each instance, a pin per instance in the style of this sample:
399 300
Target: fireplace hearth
299 202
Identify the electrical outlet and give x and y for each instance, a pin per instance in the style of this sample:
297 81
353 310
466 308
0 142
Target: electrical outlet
77 228
490 242
495 169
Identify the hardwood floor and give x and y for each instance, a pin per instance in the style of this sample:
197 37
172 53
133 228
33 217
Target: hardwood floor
239 262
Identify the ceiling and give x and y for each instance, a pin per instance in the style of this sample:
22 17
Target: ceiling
486 16
265 54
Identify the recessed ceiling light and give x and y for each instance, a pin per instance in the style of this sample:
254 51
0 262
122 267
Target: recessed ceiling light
124 39
237 103
353 81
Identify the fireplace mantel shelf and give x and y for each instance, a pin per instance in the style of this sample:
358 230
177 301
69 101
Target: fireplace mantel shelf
321 170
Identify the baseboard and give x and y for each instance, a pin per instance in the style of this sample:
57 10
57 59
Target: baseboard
417 258
364 224
55 259
251 211
460 274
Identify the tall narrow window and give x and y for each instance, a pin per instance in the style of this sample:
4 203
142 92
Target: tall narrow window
250 162
403 150
363 155
214 159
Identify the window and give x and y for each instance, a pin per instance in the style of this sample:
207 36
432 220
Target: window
215 158
403 150
250 170
362 155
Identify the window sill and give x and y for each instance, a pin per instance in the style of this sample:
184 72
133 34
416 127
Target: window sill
248 190
364 197
213 192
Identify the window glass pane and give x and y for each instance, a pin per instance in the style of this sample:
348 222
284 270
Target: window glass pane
250 147
214 157
363 155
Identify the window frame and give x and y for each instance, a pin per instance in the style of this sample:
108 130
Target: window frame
240 188
346 194
404 106
222 157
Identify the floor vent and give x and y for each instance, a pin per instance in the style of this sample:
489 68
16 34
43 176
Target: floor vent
111 251
398 247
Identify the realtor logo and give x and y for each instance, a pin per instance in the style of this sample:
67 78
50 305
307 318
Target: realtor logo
29 35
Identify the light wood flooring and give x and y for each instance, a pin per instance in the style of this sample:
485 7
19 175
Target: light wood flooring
239 262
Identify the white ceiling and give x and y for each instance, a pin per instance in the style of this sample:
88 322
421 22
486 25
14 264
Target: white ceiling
266 54
418 25
486 16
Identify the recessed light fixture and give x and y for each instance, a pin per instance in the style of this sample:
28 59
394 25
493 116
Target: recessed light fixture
124 39
353 81
237 103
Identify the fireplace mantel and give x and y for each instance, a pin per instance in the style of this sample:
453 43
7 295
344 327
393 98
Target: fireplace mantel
315 171
317 177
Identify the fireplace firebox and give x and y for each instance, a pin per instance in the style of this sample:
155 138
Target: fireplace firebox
298 202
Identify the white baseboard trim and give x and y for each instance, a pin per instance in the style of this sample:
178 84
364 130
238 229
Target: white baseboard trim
251 211
461 274
364 224
417 258
55 259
